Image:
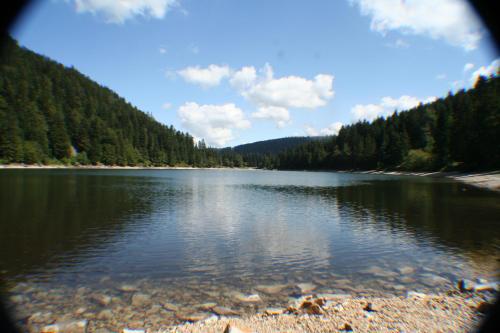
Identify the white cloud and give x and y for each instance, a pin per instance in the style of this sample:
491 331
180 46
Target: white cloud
332 129
290 91
271 96
244 78
115 11
450 20
162 50
489 70
166 106
206 77
441 76
274 96
214 123
468 67
278 114
386 107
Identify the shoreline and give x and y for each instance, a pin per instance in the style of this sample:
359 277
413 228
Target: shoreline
111 167
414 313
488 180
452 311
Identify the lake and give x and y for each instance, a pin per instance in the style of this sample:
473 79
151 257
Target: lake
189 237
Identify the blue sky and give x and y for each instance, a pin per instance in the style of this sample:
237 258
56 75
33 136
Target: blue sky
233 72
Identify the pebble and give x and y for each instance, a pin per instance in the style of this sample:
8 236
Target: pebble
127 288
170 307
432 280
101 299
271 289
370 307
253 298
206 306
223 311
80 310
140 300
235 329
306 287
406 270
192 317
347 327
414 294
79 326
105 315
273 311
486 287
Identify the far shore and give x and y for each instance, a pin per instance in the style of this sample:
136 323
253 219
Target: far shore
113 167
489 180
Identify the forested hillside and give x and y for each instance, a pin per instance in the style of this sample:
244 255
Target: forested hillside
274 146
53 114
458 132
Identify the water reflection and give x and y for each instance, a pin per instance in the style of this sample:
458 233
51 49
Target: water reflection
48 216
230 226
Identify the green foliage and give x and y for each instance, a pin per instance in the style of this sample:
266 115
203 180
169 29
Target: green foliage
32 153
417 160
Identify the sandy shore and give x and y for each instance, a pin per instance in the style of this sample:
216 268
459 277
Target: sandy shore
446 312
418 313
110 167
486 180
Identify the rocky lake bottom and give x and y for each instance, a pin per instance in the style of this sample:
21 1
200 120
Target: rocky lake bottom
110 304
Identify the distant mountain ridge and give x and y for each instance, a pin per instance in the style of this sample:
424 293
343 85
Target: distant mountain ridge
275 146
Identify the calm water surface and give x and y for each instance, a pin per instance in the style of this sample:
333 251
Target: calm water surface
193 235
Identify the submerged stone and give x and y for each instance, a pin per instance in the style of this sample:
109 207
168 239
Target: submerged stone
127 288
306 287
406 270
206 306
170 306
432 280
102 299
223 311
192 317
271 289
140 300
465 285
253 298
77 326
492 286
105 315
